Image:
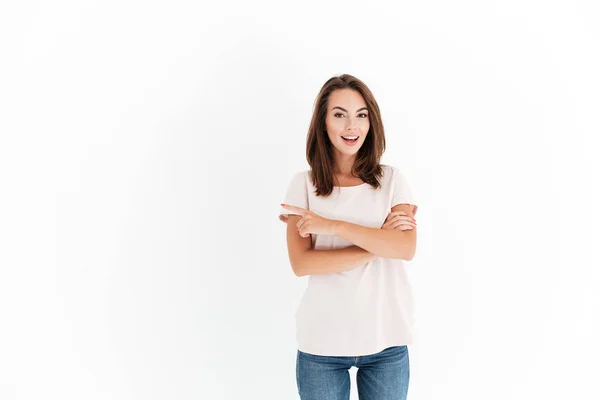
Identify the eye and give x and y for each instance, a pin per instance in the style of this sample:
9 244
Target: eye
365 115
336 114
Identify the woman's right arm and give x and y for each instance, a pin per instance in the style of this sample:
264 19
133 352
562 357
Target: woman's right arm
307 261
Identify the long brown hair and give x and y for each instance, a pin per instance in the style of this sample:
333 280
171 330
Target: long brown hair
319 149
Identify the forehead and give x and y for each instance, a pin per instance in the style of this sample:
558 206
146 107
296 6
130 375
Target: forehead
347 98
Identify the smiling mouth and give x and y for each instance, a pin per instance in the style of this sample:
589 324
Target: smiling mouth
349 138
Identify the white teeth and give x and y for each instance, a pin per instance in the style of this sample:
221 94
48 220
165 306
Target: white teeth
350 137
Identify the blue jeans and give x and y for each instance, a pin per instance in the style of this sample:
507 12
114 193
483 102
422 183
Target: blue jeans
380 376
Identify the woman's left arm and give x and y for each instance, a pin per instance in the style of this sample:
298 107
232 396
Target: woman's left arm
386 243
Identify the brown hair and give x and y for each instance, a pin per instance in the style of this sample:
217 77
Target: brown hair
319 149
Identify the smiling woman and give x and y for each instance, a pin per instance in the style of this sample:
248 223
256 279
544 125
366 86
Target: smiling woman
350 229
346 137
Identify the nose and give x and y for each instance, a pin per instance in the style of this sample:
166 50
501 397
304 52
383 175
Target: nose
352 125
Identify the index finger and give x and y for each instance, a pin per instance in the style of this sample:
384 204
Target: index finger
300 210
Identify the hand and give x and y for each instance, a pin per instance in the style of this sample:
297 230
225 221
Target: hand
399 220
312 223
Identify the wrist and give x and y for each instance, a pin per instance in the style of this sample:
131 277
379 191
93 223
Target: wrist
337 226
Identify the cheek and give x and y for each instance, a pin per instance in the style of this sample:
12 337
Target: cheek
365 126
334 122
332 134
335 127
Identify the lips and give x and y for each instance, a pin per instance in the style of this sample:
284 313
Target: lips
350 142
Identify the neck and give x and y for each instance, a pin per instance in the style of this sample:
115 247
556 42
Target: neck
343 164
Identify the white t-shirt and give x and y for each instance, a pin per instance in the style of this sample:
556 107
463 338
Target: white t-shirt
364 310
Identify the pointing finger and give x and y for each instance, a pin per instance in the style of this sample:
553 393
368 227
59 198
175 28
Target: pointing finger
299 210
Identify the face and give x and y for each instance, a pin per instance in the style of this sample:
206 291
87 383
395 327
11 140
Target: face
347 116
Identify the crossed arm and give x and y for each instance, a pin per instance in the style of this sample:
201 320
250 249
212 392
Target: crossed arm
386 243
369 243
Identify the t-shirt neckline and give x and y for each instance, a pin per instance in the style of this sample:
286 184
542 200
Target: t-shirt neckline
350 187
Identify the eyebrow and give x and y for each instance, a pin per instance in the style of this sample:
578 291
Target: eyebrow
343 109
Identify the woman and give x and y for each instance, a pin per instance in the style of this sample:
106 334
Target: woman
350 227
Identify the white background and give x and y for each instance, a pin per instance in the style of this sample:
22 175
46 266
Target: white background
146 146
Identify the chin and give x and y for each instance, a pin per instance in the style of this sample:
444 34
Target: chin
350 151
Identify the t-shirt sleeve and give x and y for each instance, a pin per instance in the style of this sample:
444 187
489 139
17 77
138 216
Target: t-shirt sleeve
296 195
401 192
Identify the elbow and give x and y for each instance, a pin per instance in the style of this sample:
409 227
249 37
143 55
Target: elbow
298 270
405 247
404 257
298 263
411 254
409 247
406 254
